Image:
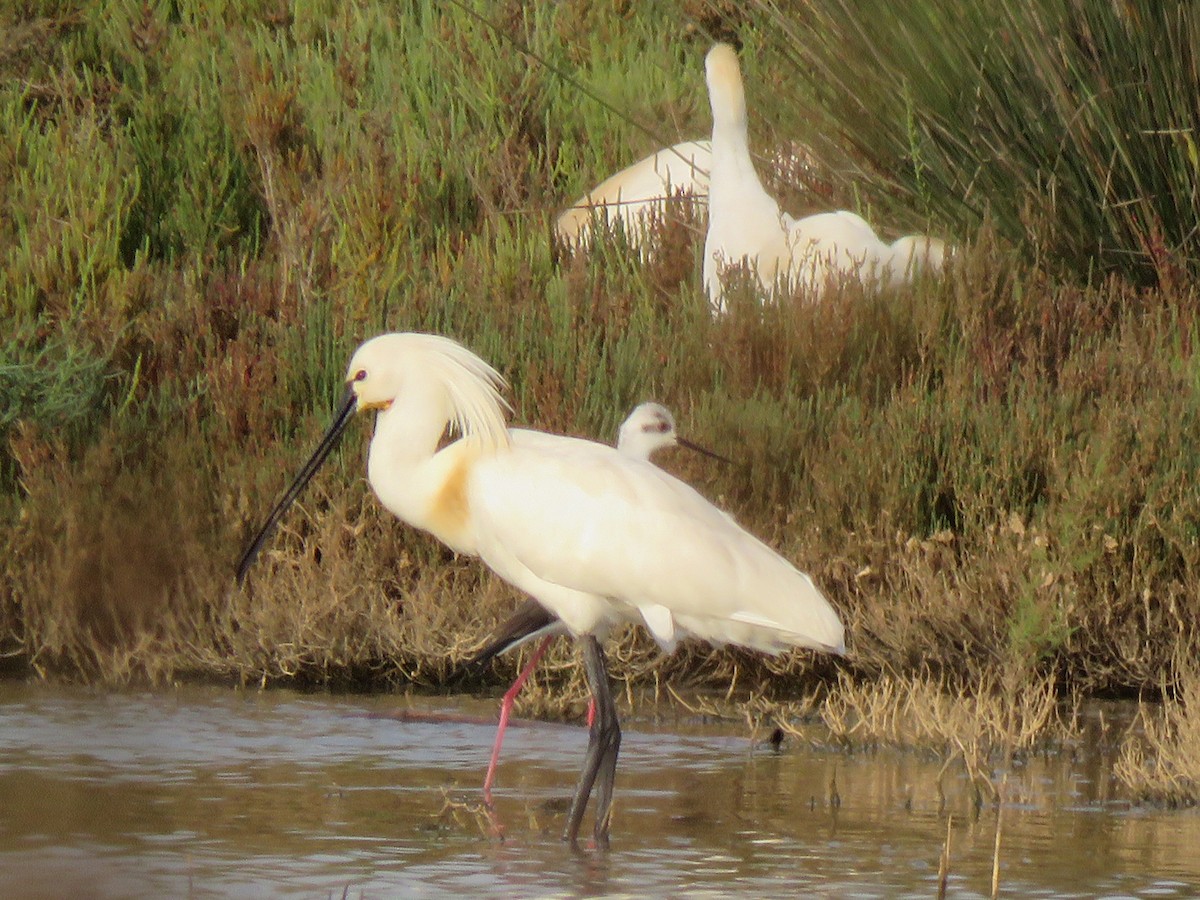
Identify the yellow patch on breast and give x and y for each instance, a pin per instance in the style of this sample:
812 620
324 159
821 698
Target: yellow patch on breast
450 507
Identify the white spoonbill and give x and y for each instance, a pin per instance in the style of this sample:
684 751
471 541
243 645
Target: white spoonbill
594 536
648 429
746 225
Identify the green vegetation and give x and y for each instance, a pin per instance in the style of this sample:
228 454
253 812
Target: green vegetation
207 206
1070 126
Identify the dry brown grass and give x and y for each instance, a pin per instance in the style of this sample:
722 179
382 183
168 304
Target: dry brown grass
982 724
1162 764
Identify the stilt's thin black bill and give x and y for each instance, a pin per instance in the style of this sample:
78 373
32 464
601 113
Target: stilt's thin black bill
703 450
345 413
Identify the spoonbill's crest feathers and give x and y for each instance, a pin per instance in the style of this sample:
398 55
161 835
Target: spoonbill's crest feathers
474 404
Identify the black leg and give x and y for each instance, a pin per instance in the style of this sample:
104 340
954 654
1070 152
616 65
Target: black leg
609 729
604 742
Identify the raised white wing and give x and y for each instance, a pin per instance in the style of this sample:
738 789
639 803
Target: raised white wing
637 192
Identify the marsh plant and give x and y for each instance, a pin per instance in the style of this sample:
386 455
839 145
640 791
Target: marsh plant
1071 126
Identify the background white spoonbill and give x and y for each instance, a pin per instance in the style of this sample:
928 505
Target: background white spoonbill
746 225
648 429
596 537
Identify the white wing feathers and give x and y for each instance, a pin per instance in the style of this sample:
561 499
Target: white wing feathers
625 531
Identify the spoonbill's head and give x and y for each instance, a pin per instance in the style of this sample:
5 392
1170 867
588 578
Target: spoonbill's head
375 376
438 382
725 92
650 428
435 376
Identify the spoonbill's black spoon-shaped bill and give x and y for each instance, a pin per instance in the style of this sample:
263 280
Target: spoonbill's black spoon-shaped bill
344 414
596 537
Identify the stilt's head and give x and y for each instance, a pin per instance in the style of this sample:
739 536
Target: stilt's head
725 91
650 428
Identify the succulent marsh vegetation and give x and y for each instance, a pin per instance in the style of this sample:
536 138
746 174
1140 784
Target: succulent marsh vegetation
992 475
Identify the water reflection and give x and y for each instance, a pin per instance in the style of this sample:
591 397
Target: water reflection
223 793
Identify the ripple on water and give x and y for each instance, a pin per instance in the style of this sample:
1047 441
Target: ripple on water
245 794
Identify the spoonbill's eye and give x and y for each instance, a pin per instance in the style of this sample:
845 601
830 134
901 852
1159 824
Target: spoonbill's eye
360 375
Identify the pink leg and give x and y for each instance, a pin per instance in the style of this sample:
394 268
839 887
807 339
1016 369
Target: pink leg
591 711
506 705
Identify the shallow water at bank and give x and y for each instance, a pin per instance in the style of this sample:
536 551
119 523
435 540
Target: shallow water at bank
211 792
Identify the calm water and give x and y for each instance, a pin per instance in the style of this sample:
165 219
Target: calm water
210 792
